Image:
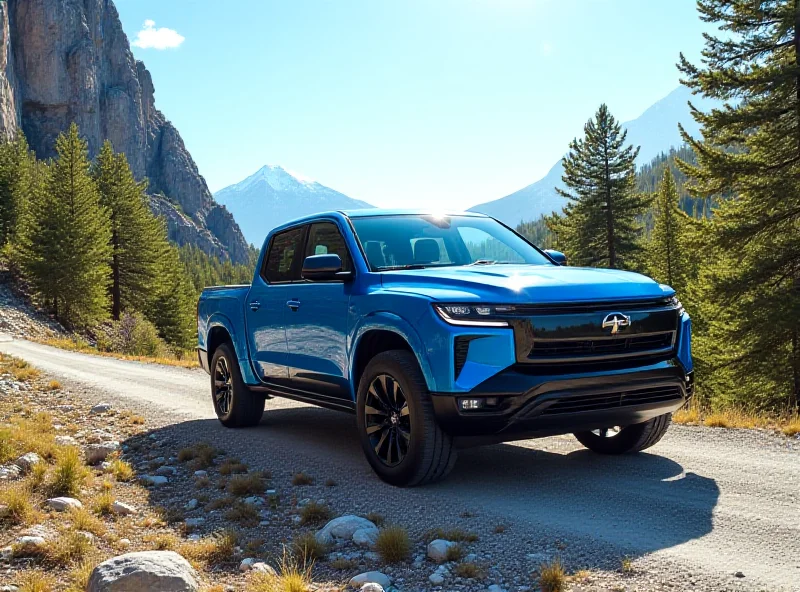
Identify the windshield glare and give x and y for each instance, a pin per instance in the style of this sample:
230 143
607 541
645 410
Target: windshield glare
398 242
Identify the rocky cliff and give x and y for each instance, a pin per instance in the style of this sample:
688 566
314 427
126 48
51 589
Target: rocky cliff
69 60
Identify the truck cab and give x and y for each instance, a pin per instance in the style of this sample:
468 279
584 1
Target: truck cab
441 331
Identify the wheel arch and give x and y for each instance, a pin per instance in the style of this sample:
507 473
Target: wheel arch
383 332
220 330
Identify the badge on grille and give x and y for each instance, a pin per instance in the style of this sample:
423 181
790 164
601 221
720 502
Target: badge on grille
616 320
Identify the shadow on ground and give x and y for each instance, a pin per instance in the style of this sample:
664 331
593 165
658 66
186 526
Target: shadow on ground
634 504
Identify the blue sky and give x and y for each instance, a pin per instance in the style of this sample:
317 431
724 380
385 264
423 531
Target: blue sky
437 103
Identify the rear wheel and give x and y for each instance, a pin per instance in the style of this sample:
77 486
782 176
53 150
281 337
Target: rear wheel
622 440
235 405
398 431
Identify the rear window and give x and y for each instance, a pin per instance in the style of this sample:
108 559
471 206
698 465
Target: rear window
284 252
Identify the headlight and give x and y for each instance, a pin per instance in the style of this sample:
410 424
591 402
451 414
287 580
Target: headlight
677 304
473 315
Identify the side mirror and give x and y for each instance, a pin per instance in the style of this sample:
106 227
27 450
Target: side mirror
321 268
557 256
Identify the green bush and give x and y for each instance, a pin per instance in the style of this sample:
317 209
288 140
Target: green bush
132 335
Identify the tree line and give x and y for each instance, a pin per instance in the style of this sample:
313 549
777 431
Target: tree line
83 242
722 224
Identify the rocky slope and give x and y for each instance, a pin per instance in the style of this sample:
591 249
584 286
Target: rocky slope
69 60
272 195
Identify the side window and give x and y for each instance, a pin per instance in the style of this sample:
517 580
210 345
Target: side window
284 250
324 238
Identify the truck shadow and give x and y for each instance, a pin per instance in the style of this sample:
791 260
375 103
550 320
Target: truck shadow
633 504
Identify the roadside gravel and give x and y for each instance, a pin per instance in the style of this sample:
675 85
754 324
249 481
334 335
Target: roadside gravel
704 505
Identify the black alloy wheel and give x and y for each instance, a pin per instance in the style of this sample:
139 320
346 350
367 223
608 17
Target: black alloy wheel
388 420
223 386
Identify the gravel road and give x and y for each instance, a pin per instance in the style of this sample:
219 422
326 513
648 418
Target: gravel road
700 506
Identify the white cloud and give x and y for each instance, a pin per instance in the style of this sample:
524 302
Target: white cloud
151 38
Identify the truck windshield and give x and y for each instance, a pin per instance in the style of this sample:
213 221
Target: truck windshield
413 241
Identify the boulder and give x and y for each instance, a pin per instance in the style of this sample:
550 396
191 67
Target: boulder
61 504
10 472
366 537
262 567
154 480
66 441
437 550
370 577
101 408
29 545
122 509
150 571
26 462
97 453
343 527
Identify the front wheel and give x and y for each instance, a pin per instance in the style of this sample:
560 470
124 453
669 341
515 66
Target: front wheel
623 440
236 405
397 428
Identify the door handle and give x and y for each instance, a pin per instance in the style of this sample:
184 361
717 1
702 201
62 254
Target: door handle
255 305
294 304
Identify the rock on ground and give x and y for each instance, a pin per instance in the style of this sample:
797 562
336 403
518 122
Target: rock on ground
371 577
26 462
97 453
151 571
61 504
343 527
437 550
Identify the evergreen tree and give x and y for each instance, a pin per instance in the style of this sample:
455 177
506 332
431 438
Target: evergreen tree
136 234
751 151
174 300
600 226
667 259
63 243
16 163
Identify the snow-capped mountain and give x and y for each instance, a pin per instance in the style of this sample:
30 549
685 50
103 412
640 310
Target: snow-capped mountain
273 195
655 130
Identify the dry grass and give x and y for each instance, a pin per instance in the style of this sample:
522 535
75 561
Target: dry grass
82 519
306 548
80 574
188 361
244 514
300 479
455 553
734 417
20 506
202 455
552 577
315 513
626 565
252 484
69 474
232 466
53 385
220 502
393 544
468 570
164 541
330 483
458 535
103 503
213 550
36 581
291 577
122 471
500 528
67 548
343 564
22 371
375 518
792 426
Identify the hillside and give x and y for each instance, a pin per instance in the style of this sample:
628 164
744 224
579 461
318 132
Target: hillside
272 195
656 131
69 60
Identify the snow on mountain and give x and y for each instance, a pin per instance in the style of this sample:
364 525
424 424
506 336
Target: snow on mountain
655 130
274 195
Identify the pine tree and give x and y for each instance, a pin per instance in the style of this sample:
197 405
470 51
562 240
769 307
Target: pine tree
16 162
750 152
666 256
600 224
63 243
174 300
136 234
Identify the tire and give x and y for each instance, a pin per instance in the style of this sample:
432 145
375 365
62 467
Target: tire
429 452
241 408
632 438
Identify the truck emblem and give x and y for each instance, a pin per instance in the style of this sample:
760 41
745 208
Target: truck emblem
615 320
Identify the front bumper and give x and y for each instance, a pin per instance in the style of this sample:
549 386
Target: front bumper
527 405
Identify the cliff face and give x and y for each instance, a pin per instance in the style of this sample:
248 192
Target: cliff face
69 60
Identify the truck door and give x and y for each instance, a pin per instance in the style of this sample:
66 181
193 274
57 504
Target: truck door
266 306
316 322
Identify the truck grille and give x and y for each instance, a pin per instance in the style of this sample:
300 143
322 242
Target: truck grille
601 402
555 350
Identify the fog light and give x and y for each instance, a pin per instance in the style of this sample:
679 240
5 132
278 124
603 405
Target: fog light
471 404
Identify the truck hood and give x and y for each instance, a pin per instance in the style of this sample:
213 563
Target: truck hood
524 284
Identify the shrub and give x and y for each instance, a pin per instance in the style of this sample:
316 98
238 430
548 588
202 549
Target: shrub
232 466
103 504
6 446
343 564
626 565
552 577
53 385
244 514
375 518
307 548
36 581
314 513
70 473
468 570
455 553
132 335
20 509
37 476
82 519
68 547
291 577
251 484
202 454
121 470
302 479
215 549
393 544
80 574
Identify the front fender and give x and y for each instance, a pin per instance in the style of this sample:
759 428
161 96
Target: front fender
388 321
239 340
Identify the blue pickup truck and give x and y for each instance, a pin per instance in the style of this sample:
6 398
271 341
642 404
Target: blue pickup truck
441 331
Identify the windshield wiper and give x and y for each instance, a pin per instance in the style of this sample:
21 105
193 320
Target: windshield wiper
396 267
483 262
